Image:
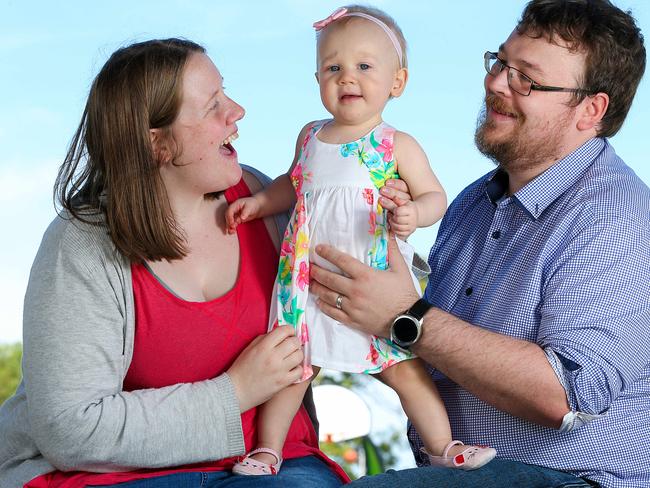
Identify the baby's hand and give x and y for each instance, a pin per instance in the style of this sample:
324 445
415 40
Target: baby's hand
403 220
240 211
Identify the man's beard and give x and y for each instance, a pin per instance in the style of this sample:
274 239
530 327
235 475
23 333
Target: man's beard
527 145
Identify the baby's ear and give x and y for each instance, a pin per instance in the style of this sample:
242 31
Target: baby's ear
316 76
399 83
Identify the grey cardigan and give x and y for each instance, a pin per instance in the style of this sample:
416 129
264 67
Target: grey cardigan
70 412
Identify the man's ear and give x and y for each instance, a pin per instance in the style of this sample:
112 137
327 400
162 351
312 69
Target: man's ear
159 146
592 110
399 83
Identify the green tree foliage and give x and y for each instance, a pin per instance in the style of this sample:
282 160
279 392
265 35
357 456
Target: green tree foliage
10 355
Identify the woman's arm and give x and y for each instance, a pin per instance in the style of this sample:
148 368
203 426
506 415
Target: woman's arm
78 333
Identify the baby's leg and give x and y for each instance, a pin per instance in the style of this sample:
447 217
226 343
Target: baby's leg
421 403
424 407
275 417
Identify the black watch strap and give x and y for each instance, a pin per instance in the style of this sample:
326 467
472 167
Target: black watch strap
419 308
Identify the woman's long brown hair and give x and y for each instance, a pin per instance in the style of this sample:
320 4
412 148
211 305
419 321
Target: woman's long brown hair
110 168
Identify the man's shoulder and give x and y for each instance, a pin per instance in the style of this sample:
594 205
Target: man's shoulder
610 187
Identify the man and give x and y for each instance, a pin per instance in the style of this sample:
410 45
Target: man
539 331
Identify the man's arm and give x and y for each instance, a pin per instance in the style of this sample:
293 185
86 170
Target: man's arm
511 374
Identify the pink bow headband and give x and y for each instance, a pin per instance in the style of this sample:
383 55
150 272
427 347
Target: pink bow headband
343 12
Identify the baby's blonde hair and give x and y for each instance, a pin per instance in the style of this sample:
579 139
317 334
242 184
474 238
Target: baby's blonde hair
384 17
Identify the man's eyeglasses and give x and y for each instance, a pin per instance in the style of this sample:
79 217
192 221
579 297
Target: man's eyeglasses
519 82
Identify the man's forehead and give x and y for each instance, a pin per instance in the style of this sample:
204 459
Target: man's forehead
538 54
524 60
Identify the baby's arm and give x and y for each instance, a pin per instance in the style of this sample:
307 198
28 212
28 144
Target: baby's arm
278 197
275 198
429 199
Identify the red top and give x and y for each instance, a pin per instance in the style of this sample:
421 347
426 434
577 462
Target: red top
182 342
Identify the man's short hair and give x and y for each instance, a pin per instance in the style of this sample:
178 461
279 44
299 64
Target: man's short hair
611 41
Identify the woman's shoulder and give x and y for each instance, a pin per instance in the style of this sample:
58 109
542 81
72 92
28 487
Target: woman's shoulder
71 239
256 181
254 178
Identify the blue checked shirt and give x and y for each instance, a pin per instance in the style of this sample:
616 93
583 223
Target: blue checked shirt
564 263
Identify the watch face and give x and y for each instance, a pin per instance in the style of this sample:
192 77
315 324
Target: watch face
405 329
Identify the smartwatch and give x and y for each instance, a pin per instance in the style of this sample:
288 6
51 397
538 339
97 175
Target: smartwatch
407 327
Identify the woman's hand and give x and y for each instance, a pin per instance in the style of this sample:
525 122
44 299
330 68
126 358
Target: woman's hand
269 363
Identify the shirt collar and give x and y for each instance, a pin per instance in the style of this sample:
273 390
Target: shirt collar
539 193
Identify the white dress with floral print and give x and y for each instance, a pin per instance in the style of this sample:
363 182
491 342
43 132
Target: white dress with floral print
337 203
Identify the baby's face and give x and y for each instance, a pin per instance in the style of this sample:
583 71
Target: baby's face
358 71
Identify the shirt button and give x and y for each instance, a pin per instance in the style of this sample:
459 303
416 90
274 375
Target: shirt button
469 291
496 234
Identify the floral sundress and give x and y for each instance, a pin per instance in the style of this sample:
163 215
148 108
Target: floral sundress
337 188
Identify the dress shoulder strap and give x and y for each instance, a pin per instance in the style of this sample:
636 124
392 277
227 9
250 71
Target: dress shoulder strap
317 125
381 165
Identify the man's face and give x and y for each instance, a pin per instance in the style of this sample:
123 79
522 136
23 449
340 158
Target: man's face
523 133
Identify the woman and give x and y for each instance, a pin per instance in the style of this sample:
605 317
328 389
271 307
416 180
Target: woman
144 347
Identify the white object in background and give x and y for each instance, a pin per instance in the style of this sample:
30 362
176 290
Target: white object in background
342 414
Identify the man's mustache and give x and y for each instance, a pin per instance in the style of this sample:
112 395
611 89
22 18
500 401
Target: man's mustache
493 102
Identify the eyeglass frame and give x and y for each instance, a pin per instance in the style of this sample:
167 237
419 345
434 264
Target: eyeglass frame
489 55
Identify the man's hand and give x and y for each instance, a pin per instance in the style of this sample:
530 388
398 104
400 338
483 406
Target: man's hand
393 194
395 198
371 298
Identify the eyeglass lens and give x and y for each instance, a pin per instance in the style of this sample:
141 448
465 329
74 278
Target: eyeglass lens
517 81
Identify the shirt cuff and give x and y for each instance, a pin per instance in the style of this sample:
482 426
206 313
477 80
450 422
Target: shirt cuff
574 419
230 402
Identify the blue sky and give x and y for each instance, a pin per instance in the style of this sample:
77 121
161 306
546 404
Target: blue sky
50 52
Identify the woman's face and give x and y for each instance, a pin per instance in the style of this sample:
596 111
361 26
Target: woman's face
205 159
